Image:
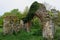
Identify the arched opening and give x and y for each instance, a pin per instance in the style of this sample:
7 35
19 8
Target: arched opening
39 10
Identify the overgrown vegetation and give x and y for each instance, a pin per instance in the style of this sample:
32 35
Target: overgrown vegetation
36 28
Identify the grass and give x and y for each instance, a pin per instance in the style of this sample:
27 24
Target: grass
23 35
1 30
34 34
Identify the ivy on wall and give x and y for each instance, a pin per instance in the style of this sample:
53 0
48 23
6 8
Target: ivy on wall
33 8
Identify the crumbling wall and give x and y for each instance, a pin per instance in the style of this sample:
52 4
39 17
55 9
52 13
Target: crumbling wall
47 23
11 24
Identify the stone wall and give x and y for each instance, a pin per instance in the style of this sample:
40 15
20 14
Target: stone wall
11 24
47 23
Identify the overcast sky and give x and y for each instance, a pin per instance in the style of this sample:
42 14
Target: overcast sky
7 5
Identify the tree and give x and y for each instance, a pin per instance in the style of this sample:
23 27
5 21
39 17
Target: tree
25 12
15 12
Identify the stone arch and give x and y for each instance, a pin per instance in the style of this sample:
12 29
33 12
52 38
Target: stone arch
39 10
36 9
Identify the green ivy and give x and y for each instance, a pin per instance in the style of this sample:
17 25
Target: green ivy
34 7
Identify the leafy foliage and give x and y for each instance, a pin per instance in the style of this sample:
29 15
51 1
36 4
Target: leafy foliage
36 28
31 13
1 22
33 8
15 12
25 12
35 33
57 20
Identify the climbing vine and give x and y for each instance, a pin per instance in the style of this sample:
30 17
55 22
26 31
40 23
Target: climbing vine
33 8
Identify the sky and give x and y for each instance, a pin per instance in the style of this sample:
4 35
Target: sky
8 5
